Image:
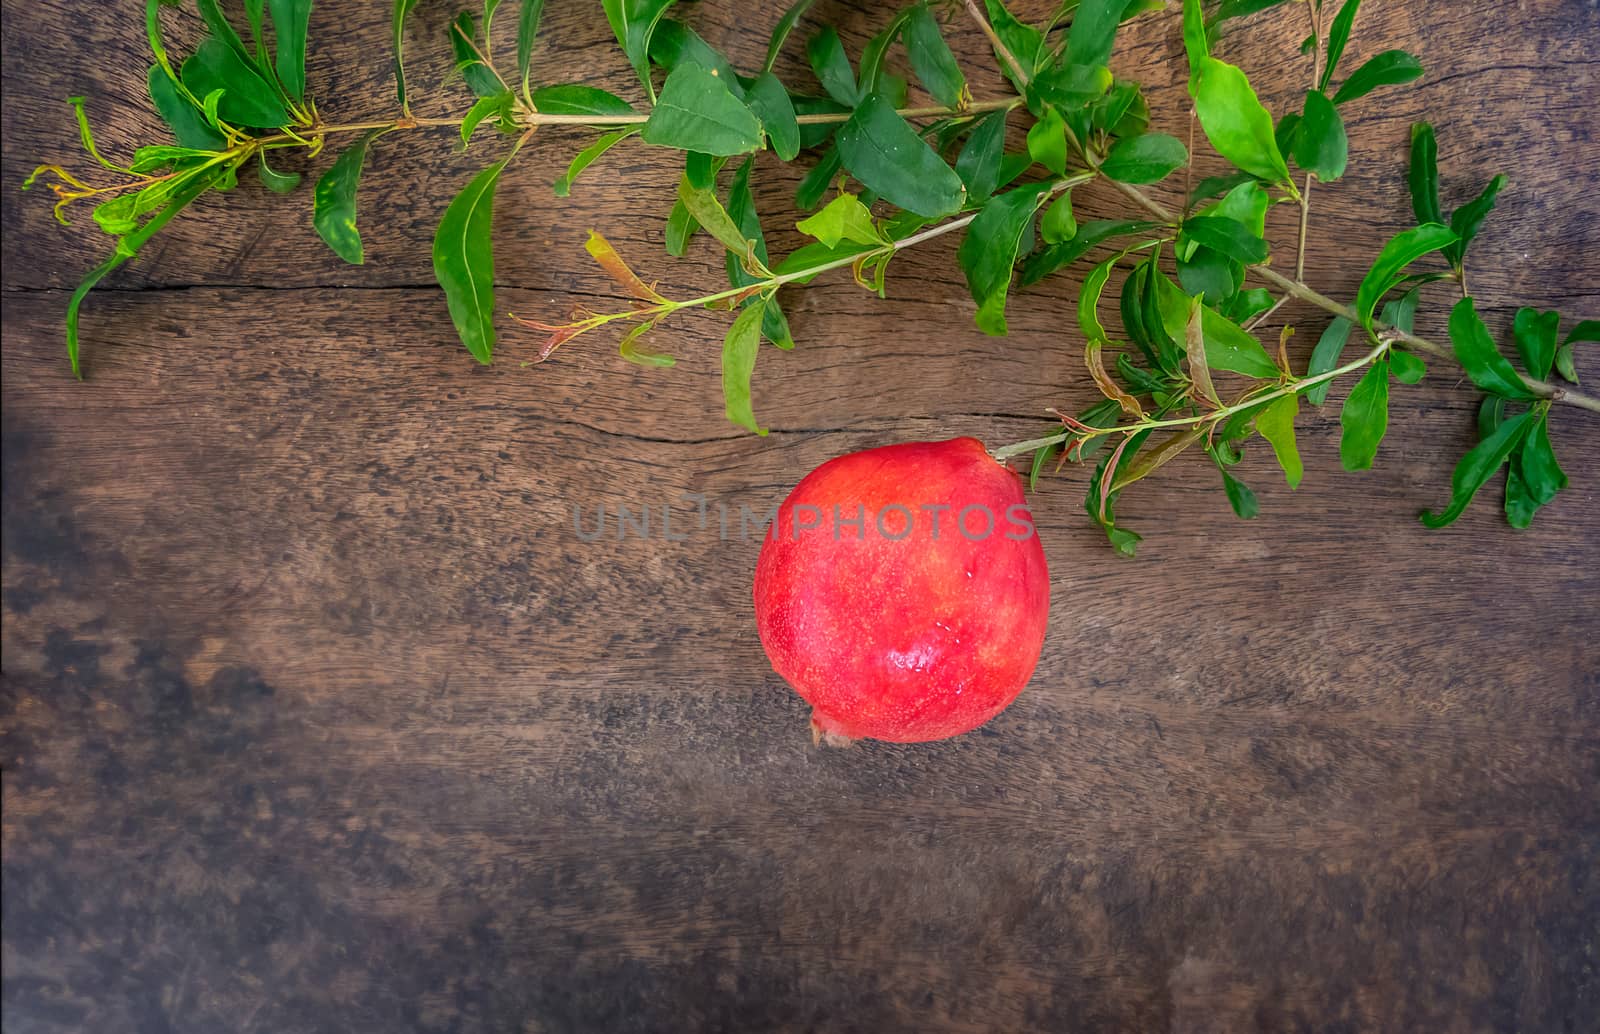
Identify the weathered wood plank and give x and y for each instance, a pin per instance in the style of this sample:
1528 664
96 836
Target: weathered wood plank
319 714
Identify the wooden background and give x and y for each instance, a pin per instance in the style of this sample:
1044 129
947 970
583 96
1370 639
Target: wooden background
318 716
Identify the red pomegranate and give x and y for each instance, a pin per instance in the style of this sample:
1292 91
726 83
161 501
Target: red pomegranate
903 593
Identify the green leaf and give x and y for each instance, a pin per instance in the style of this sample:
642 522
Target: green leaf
1093 31
708 212
255 14
1534 478
1058 224
1040 455
978 164
1276 424
1491 414
680 228
844 218
1401 313
1144 159
871 77
1194 342
478 76
1141 317
1520 504
1195 44
1094 286
1338 37
781 31
816 134
1479 465
210 104
497 105
402 11
1407 368
223 31
1047 141
1320 145
770 103
1240 9
1245 203
1228 236
742 210
702 169
1535 334
1565 364
1142 381
1467 220
674 43
633 22
1101 506
1069 86
463 261
1386 273
1250 304
1042 263
1365 418
1239 128
527 31
1284 135
1586 330
697 113
1133 317
1390 68
630 350
832 66
1210 273
586 158
127 248
1102 414
1114 107
1244 502
577 99
272 179
880 149
1477 354
931 58
1023 41
1227 345
333 207
248 100
153 157
123 214
1012 166
291 20
989 252
188 125
1424 175
817 181
739 350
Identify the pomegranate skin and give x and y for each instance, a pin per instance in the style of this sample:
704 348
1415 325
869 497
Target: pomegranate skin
908 628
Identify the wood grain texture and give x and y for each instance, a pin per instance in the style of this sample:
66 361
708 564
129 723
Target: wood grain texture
319 714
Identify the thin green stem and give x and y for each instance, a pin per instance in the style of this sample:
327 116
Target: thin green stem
1209 419
661 310
534 119
1314 9
1554 392
1305 225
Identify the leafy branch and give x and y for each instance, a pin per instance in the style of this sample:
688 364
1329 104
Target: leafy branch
1180 366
